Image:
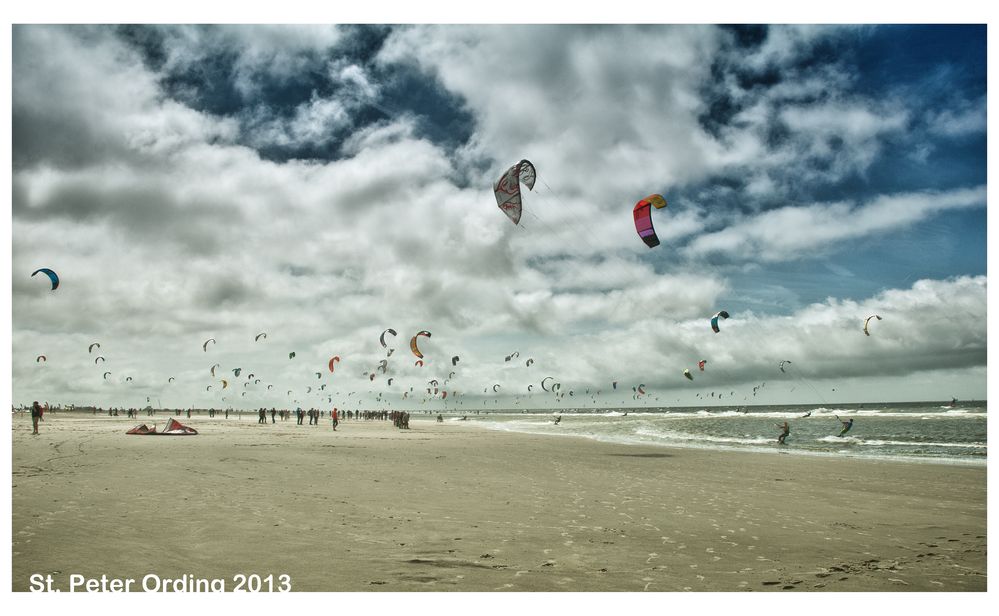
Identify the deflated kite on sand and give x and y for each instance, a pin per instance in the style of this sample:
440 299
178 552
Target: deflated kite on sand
172 428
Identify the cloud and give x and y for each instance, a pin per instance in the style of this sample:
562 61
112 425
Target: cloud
83 98
964 118
791 232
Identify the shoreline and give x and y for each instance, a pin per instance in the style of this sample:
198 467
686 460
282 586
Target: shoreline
445 507
790 450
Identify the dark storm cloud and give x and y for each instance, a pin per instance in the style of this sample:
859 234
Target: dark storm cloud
149 211
226 292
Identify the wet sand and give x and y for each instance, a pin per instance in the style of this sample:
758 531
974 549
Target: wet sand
453 507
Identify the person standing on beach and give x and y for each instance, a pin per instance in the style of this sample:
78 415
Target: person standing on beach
273 413
786 430
36 415
336 418
846 425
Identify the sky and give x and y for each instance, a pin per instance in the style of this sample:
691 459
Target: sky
324 183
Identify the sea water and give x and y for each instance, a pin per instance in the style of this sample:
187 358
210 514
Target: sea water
915 431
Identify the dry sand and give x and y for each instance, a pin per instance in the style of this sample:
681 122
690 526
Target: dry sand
452 507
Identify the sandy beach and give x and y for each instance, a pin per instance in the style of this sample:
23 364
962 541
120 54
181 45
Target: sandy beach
453 507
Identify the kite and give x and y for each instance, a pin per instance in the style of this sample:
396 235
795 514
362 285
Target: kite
236 371
714 320
170 380
383 365
419 363
291 355
641 389
643 218
786 361
91 349
214 367
225 383
52 276
128 378
507 188
529 362
106 375
319 375
99 357
204 346
412 343
334 360
868 320
259 336
41 358
543 383
700 364
454 360
687 374
382 337
496 387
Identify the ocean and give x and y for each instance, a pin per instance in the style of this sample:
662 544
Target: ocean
914 431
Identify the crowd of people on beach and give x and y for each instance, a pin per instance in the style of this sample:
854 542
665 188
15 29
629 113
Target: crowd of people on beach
399 419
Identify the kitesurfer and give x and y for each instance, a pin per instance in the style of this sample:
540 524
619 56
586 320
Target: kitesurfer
786 430
846 425
558 419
